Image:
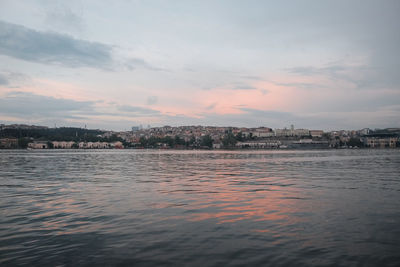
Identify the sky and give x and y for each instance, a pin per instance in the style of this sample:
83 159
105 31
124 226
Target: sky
113 65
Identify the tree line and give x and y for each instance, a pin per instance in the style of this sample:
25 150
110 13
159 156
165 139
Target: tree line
77 135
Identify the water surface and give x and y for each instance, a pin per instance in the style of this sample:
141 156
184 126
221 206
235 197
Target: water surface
208 208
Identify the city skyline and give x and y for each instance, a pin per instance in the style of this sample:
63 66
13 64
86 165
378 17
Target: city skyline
320 65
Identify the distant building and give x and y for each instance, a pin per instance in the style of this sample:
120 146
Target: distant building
99 145
8 143
38 145
291 132
262 132
63 144
117 144
217 145
94 145
283 132
316 133
301 132
380 142
82 145
365 131
258 144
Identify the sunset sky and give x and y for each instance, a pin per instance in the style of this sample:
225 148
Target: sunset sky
116 64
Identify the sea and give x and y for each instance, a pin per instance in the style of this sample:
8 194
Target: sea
200 208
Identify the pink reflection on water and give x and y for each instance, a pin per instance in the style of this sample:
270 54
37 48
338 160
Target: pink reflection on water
55 215
237 195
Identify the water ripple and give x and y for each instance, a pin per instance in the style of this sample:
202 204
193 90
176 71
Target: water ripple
210 208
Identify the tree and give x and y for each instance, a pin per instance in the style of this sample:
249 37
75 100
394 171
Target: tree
229 140
23 142
355 142
143 141
239 136
179 141
50 145
206 140
169 141
192 141
251 137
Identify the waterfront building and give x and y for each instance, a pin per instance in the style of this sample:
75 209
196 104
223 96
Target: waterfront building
8 142
259 144
262 132
316 133
380 142
283 132
301 132
117 144
291 132
38 145
217 145
63 144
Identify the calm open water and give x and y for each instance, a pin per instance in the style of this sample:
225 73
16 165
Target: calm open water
200 208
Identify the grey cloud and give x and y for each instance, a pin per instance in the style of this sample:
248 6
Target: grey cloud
50 110
361 76
244 87
52 48
232 86
189 69
212 106
12 79
309 71
29 105
249 118
64 18
309 86
357 102
60 49
268 113
252 77
151 100
303 70
137 111
134 63
3 79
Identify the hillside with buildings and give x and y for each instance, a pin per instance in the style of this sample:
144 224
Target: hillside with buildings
194 137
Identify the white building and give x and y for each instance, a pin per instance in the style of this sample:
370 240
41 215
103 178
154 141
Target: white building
283 132
301 132
63 144
316 133
262 132
38 145
292 132
258 144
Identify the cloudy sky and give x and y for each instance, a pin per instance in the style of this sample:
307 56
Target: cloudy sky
315 64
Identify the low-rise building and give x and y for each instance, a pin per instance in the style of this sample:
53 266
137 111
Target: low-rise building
63 144
259 144
262 132
38 145
301 132
316 133
117 144
217 145
8 142
283 132
380 142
